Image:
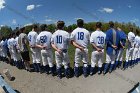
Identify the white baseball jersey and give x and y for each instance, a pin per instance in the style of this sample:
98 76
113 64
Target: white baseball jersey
44 39
81 36
8 43
1 45
98 38
131 38
32 38
139 41
13 44
136 41
60 39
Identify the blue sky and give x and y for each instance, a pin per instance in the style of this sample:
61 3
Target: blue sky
24 12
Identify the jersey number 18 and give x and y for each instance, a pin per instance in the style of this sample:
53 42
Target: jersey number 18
80 35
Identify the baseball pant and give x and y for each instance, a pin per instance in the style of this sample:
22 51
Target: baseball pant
63 57
81 56
97 57
47 57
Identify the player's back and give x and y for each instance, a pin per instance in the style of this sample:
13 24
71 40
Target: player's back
22 40
131 36
12 44
81 36
137 41
98 38
61 39
44 38
32 37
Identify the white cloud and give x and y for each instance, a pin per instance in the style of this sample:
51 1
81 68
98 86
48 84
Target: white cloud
28 24
2 2
30 7
129 6
38 5
135 20
48 20
106 10
2 25
14 21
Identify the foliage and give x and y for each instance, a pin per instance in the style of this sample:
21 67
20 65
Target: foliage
91 26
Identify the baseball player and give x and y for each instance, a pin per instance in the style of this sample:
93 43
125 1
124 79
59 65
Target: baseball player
15 55
2 49
80 38
135 52
5 49
9 43
130 49
43 42
139 51
23 46
121 48
19 58
112 41
97 40
60 41
35 52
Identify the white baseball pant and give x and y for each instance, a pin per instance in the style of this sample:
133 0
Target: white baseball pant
47 57
97 57
81 56
62 58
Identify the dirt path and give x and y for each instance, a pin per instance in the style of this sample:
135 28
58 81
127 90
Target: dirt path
117 82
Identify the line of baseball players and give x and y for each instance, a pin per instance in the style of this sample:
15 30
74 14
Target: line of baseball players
15 49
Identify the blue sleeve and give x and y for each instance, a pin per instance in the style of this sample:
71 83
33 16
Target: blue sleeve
108 36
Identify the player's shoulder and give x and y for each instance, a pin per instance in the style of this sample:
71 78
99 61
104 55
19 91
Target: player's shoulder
65 32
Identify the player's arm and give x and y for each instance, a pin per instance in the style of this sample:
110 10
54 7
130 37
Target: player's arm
108 41
94 46
123 46
76 45
54 47
39 46
38 43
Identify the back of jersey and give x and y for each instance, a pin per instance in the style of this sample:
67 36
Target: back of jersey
61 39
98 38
131 38
81 36
44 39
32 38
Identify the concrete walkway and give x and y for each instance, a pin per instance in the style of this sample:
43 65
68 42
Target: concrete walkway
117 82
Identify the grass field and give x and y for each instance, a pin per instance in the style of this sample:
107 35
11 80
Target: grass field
71 52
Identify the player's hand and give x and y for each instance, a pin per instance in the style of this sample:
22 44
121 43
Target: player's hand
59 51
123 47
44 47
81 48
115 47
99 50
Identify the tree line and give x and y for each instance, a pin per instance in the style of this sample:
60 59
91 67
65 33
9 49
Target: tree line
91 26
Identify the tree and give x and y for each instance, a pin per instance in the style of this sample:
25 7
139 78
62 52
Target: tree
5 31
